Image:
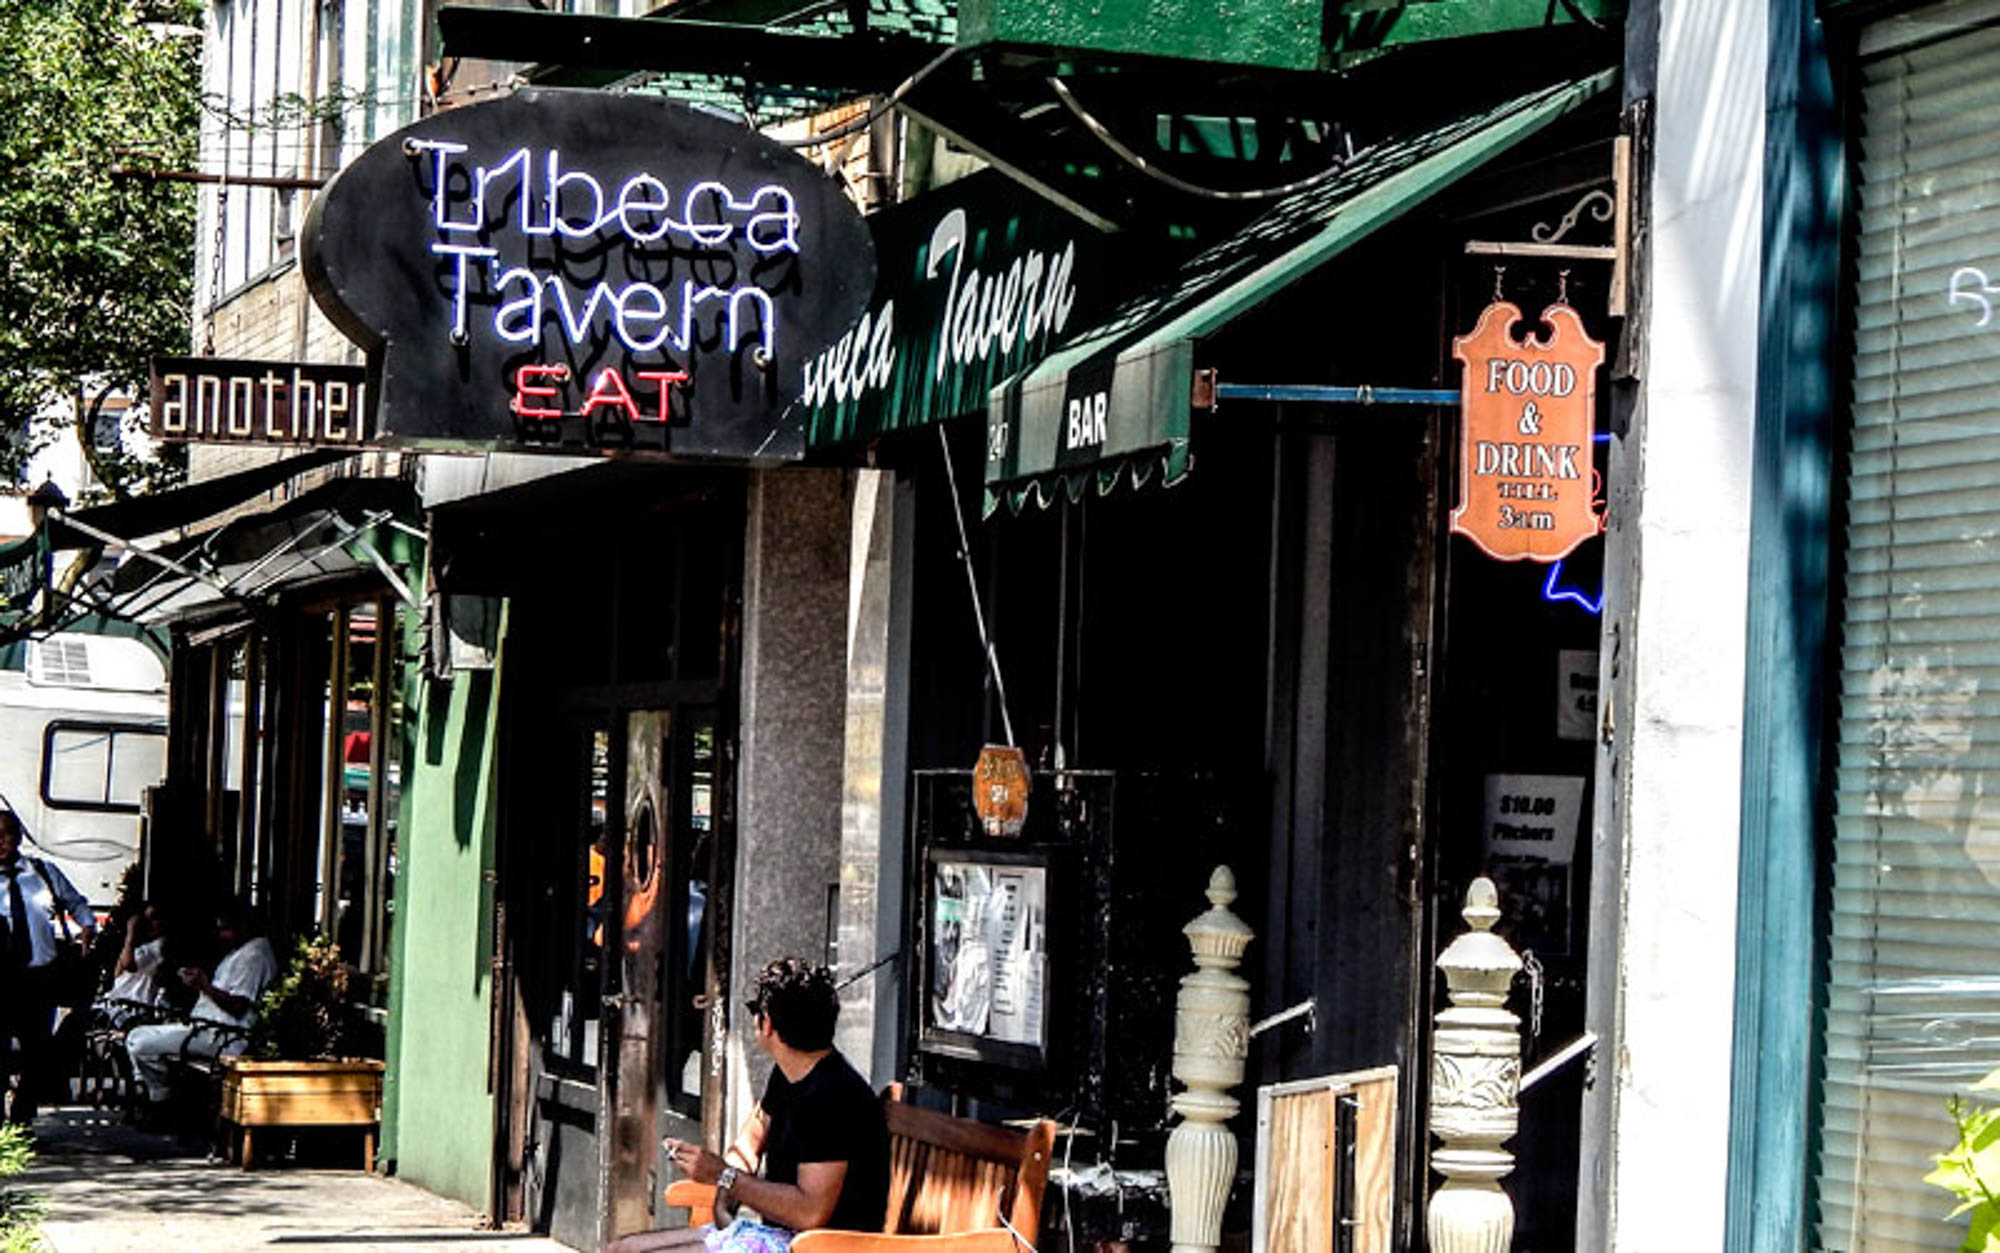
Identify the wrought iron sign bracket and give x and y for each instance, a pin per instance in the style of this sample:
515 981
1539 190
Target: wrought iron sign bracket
1614 206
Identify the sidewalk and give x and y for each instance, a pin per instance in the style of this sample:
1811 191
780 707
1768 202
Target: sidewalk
109 1187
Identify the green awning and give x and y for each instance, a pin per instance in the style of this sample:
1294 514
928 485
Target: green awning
341 530
1115 401
185 506
24 565
27 604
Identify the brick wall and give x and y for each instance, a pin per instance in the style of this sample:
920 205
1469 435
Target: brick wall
275 319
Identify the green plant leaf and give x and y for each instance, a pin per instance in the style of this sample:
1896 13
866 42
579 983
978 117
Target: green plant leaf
20 1210
1983 1235
305 1015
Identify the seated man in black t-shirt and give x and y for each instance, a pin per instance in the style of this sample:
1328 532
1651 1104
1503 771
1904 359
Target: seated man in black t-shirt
818 1131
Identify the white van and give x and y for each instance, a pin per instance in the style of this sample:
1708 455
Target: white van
83 732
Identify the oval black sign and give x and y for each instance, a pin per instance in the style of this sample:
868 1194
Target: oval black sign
575 270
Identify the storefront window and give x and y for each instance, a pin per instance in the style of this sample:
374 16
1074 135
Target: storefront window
1912 999
573 1037
253 852
229 741
227 755
693 855
389 803
358 836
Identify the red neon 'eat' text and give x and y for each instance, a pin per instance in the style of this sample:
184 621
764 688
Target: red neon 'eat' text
608 390
665 378
524 389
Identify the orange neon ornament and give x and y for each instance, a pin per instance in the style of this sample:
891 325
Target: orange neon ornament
1527 485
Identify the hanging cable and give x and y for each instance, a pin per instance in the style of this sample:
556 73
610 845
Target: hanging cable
1020 1241
867 970
1151 171
880 107
972 583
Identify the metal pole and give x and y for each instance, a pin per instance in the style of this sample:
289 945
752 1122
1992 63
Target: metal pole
1326 394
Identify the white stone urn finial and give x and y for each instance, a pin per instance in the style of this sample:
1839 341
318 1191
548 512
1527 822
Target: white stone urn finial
1211 1041
1475 1085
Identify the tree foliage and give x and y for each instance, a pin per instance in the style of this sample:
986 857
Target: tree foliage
95 266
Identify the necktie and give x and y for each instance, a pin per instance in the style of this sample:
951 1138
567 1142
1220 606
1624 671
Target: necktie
21 948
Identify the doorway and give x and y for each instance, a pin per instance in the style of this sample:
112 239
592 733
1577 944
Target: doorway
618 974
616 848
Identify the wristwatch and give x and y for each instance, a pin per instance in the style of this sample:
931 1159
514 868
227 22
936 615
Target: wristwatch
726 1180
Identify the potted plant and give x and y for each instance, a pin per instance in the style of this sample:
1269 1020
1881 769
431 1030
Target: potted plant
296 1072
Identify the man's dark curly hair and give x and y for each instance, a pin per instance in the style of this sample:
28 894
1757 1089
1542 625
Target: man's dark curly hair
798 998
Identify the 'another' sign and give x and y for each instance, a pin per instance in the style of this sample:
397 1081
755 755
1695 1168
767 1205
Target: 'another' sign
213 400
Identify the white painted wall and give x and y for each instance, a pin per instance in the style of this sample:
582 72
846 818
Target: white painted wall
1677 677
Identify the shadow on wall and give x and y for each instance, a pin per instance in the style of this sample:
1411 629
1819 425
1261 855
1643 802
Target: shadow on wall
455 730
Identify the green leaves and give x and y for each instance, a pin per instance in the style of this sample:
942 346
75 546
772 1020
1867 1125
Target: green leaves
95 267
304 1016
1970 1170
20 1210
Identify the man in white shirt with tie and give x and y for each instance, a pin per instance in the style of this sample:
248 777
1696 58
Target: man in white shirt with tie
33 894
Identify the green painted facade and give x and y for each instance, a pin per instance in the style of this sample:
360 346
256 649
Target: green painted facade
1365 26
1271 34
438 1114
1276 34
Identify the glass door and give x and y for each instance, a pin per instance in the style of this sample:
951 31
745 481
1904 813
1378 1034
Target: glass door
661 984
638 979
570 890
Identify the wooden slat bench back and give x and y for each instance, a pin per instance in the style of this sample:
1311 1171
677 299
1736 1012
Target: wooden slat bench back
953 1183
952 1174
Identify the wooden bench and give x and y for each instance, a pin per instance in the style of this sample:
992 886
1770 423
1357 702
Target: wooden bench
953 1184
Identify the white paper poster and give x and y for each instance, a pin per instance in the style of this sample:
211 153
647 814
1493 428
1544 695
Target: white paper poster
1532 822
1020 965
1576 693
1533 816
989 950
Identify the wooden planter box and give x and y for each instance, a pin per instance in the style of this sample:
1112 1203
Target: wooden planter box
302 1094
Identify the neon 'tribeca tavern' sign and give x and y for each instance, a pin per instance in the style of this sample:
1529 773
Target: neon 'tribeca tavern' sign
575 270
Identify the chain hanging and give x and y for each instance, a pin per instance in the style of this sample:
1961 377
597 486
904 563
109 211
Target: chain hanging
1499 275
1531 965
215 262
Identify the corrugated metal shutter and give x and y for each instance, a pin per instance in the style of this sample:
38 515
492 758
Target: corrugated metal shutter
1913 997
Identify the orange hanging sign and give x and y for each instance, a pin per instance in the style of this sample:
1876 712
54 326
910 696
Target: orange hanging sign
1000 789
1527 487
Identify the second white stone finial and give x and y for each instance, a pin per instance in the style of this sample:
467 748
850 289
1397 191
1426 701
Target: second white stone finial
1475 1085
1211 1041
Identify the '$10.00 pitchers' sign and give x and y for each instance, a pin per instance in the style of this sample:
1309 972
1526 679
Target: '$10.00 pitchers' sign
1526 482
